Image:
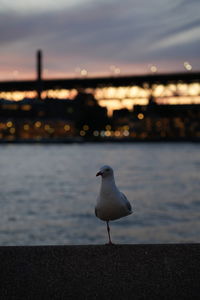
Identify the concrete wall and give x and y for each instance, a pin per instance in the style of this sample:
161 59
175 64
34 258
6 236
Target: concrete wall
101 272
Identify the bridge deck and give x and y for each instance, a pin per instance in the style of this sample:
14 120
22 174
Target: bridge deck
29 85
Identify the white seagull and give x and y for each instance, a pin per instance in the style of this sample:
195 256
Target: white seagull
111 203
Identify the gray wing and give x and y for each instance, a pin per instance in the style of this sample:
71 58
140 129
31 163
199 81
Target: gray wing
127 203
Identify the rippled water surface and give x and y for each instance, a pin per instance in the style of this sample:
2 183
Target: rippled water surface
48 193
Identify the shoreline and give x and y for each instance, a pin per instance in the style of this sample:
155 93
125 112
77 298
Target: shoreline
83 141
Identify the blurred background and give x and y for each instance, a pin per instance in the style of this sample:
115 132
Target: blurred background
86 83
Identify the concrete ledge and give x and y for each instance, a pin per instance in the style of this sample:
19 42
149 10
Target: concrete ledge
169 271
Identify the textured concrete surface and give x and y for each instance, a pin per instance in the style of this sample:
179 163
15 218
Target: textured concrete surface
101 272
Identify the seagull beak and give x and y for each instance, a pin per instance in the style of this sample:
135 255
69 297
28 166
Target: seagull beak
99 173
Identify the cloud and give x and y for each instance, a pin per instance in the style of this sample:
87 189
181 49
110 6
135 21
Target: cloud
180 38
32 6
104 32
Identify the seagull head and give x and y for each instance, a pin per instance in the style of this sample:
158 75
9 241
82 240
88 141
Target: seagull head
105 171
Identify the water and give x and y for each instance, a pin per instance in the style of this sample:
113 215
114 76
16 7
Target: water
48 193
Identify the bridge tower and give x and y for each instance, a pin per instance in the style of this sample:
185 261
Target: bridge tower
39 73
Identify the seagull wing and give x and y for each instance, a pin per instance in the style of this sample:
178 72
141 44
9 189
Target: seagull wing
127 203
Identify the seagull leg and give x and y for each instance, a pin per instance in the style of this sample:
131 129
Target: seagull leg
108 229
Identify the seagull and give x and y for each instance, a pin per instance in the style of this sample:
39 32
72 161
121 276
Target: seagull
111 203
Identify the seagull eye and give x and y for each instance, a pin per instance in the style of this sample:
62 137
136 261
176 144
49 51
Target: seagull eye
107 170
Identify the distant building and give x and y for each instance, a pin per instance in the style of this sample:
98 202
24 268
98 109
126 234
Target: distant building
160 122
83 119
33 119
89 114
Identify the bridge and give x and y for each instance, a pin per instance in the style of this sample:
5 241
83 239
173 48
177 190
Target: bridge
99 82
114 92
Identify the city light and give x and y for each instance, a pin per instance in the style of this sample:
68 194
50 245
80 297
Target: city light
47 127
84 72
117 133
115 98
85 127
107 133
126 133
153 69
82 133
26 126
187 66
12 130
108 127
9 124
67 127
26 107
140 116
38 124
95 133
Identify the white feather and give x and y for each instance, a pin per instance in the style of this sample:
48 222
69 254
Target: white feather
111 203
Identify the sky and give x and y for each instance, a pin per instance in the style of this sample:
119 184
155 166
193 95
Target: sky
131 35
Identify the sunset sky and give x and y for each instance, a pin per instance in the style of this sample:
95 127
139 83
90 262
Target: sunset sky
95 34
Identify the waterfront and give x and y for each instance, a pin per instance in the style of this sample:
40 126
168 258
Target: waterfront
48 193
